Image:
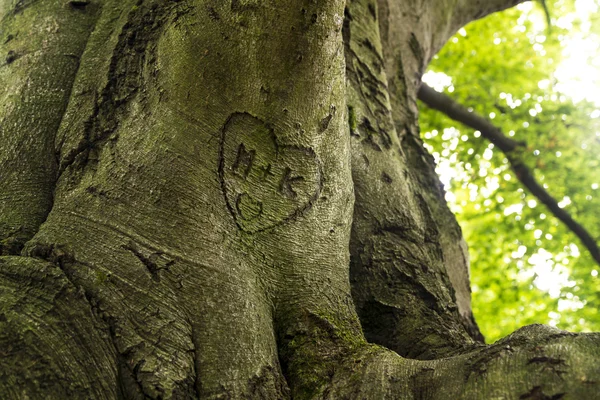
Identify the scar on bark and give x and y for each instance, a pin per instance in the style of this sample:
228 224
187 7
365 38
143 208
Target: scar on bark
11 57
544 359
536 393
237 161
386 178
154 262
20 6
325 121
79 4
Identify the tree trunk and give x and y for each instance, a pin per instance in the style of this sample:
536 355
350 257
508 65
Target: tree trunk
230 199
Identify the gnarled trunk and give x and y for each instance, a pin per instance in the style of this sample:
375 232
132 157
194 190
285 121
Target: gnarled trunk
208 199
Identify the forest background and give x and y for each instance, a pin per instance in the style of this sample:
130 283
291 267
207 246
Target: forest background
533 72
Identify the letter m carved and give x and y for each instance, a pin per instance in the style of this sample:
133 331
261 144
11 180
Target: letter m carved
243 161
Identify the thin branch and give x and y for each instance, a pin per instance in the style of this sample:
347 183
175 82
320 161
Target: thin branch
457 112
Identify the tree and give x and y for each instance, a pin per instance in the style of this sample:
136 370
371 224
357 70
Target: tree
503 68
231 200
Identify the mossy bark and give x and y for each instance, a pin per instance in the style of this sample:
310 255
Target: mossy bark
229 199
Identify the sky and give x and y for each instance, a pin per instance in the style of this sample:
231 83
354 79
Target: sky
577 77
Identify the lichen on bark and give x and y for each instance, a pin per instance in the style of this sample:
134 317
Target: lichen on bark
231 201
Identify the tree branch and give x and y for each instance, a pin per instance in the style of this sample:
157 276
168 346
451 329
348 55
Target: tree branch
457 112
470 10
448 16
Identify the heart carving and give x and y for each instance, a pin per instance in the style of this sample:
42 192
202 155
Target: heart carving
265 183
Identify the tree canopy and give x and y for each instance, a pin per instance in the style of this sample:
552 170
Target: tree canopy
517 72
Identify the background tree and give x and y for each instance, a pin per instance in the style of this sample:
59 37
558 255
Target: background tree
208 199
521 80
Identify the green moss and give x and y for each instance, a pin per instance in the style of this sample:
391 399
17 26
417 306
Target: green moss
352 119
318 345
308 368
346 333
100 277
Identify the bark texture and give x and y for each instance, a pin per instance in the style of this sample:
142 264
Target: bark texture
230 199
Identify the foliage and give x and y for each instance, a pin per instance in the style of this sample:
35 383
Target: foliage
526 266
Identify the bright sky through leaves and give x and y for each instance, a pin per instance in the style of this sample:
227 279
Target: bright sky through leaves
540 86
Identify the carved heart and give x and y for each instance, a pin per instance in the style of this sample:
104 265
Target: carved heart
265 183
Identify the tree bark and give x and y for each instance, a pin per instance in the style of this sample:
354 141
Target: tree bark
208 199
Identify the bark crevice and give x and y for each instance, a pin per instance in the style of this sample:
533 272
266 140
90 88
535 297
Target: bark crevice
132 64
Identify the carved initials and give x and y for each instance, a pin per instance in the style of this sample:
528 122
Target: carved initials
285 187
243 161
266 183
266 172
